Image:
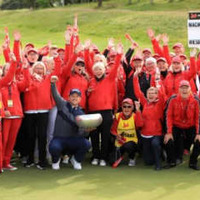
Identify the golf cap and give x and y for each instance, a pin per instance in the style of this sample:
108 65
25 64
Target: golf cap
60 49
29 45
179 45
136 57
79 60
32 50
161 59
75 90
54 47
184 83
146 50
176 59
183 56
128 101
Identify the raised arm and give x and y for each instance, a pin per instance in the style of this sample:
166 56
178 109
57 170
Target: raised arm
192 71
165 40
10 75
113 71
88 61
155 42
138 93
60 102
16 48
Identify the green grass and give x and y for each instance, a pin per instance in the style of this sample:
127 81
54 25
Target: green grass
113 20
101 183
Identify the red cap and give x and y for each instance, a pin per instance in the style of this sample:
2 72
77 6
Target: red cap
79 60
184 83
176 59
29 44
156 56
127 100
136 57
180 45
146 50
161 59
32 50
60 49
183 56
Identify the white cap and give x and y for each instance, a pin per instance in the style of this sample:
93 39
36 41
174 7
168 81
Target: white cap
151 59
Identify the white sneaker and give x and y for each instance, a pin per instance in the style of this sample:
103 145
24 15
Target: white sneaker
95 161
56 166
102 163
65 159
75 164
131 163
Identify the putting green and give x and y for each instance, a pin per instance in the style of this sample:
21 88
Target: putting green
97 183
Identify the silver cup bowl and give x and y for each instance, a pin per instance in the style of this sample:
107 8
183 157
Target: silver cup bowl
89 120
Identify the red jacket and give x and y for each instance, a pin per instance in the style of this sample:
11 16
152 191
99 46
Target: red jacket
102 97
183 113
76 81
173 80
12 93
38 95
152 112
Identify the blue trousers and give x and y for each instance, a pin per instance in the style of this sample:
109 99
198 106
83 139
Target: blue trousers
77 146
152 150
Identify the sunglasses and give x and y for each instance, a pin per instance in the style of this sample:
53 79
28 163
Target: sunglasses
80 64
126 106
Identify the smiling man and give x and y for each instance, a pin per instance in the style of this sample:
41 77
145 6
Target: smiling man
67 135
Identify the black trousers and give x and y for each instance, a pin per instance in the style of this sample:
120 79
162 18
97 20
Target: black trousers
130 148
36 126
175 148
152 150
100 148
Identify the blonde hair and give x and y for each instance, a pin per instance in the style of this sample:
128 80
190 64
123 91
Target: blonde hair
172 70
102 57
39 63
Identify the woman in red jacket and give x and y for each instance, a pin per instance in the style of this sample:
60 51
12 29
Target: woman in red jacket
3 82
76 78
152 114
101 95
13 114
182 118
37 103
177 73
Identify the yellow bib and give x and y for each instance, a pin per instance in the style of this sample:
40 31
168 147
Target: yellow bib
126 129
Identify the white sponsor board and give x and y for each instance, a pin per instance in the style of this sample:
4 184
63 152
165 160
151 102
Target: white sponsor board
194 29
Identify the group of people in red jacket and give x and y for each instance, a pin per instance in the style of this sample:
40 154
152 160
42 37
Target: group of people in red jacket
149 102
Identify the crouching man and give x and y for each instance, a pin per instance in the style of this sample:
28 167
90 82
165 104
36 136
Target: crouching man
182 117
67 135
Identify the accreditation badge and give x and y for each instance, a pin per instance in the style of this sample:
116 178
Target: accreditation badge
10 103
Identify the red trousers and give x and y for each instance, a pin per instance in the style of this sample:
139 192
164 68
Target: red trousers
9 135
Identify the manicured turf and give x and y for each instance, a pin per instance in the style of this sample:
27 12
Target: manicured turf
94 182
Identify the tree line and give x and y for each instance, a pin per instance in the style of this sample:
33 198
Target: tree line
33 4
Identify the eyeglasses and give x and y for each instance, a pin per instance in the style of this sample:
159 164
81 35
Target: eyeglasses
126 106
